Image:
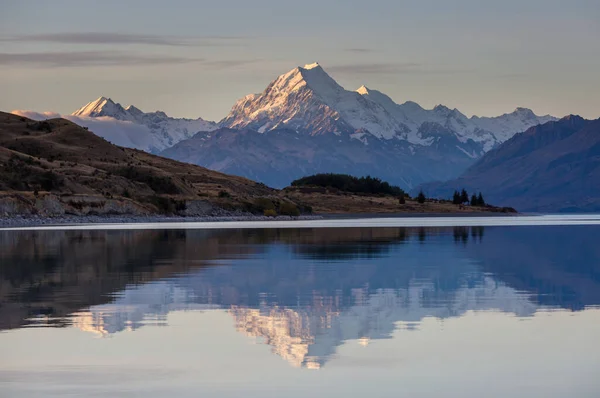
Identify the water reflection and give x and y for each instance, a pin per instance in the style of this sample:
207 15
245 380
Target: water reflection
303 292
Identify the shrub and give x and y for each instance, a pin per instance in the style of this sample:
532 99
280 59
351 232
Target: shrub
262 204
289 209
270 213
224 194
49 181
158 184
401 200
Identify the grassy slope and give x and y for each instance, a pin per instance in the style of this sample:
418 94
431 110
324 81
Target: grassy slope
65 159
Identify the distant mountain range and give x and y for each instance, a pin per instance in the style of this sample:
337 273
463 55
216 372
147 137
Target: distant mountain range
304 123
309 101
554 167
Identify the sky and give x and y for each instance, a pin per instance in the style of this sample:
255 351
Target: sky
196 58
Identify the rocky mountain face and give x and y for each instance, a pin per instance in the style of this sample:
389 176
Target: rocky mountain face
309 101
304 122
156 131
554 167
282 155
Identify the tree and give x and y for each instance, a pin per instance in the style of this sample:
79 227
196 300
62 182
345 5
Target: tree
401 200
480 201
456 198
421 198
474 200
464 196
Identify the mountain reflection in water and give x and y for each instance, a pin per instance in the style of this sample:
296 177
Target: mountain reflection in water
304 292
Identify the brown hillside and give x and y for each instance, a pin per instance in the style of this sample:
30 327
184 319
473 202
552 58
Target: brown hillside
59 157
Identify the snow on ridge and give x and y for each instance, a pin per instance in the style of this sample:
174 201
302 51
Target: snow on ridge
308 99
155 131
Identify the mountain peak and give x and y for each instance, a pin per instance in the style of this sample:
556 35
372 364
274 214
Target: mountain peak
311 76
442 109
134 110
314 65
363 90
103 106
524 112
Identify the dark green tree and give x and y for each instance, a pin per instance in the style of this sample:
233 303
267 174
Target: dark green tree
480 200
464 196
421 197
474 200
456 198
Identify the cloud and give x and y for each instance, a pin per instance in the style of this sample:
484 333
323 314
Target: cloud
390 68
358 50
109 58
36 115
122 38
89 58
230 63
119 132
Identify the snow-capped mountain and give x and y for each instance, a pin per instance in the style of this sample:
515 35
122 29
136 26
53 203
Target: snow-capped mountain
308 100
159 131
304 122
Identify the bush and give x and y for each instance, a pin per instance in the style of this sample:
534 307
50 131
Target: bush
49 181
164 205
168 205
401 200
158 184
224 194
348 183
289 209
262 204
270 213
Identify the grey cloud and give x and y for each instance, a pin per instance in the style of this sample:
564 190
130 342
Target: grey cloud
391 68
109 58
358 50
122 38
89 58
232 63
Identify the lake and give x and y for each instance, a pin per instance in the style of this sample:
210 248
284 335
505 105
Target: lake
471 311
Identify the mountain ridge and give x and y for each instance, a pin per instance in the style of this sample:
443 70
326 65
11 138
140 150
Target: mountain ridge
554 167
165 131
278 106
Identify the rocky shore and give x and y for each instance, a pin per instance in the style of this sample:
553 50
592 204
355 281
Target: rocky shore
35 220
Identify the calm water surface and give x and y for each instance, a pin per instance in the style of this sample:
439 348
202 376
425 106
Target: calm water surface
344 312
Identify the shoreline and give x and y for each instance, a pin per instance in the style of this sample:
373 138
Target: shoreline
313 221
24 221
27 220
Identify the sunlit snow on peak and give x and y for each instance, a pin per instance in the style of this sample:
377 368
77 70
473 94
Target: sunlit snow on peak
311 66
